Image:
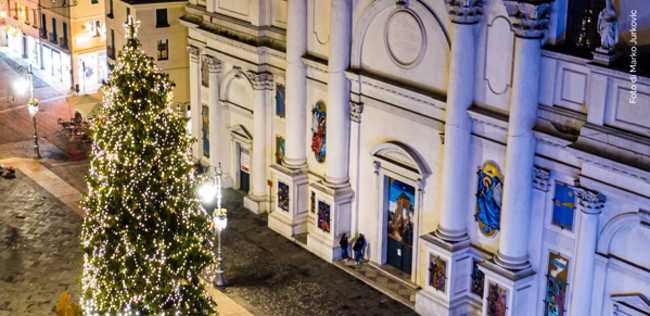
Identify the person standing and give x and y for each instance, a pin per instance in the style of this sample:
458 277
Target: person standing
358 246
344 246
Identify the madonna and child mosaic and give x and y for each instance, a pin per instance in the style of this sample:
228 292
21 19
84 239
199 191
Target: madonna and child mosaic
400 211
488 199
319 131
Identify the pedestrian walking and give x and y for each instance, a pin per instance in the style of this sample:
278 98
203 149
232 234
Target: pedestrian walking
358 246
14 237
344 246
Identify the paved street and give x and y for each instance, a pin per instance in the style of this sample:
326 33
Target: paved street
266 273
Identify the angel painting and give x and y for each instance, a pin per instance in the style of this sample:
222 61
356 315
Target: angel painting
488 199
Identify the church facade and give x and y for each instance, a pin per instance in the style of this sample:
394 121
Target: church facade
494 153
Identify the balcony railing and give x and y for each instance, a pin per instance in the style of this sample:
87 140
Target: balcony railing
110 52
42 33
52 38
63 42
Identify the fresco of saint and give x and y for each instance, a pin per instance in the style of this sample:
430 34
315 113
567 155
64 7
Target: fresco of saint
488 199
555 285
324 216
497 299
319 131
283 196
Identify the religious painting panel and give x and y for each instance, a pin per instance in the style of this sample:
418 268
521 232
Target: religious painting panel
488 199
313 202
279 149
206 131
563 207
497 300
279 100
324 216
556 280
401 199
478 279
438 273
283 196
319 131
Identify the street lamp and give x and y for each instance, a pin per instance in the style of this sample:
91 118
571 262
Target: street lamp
220 216
27 80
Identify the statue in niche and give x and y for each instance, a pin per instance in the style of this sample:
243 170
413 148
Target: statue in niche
608 28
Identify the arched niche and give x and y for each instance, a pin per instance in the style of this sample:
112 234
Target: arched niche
626 238
402 42
236 88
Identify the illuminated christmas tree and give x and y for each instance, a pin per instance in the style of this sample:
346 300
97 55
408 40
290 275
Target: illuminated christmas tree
146 237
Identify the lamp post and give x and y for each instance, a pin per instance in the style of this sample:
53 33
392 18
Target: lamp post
219 217
28 79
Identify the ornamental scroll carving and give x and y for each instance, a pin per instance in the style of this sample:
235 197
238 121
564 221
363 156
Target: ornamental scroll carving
541 179
528 20
260 81
194 53
356 108
214 65
464 11
590 202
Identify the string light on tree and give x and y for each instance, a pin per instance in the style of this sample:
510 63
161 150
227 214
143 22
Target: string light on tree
146 238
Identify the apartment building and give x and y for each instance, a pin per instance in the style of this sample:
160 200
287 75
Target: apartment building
162 35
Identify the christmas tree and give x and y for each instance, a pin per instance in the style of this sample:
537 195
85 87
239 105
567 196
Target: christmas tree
146 237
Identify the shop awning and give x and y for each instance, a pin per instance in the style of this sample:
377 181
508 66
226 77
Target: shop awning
7 29
16 32
87 105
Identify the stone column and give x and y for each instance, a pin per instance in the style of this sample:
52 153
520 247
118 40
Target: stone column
338 89
528 22
195 102
296 82
590 204
464 16
262 83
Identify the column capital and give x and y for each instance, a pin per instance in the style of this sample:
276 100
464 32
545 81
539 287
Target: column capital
194 53
541 178
214 65
260 81
464 11
528 19
356 108
590 202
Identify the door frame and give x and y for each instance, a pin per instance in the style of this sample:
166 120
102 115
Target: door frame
239 136
398 161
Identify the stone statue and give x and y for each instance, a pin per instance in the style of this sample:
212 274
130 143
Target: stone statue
608 28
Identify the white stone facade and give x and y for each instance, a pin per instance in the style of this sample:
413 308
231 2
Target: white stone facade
445 97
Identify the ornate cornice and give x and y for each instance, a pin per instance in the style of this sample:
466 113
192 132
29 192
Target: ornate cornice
528 20
590 202
541 179
356 108
260 81
464 11
214 65
194 53
644 215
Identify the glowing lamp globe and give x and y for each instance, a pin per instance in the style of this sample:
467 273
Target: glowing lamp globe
208 191
220 222
3 14
21 85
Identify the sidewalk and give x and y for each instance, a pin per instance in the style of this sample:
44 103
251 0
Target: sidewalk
41 74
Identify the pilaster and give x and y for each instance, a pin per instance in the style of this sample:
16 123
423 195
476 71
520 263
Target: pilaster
590 204
195 102
215 129
333 215
256 201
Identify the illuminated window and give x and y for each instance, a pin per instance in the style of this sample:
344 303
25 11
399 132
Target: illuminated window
163 49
